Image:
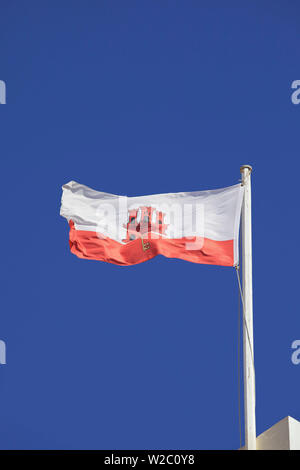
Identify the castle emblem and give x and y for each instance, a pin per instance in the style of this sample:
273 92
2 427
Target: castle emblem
142 222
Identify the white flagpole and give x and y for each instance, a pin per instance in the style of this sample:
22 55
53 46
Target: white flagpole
249 377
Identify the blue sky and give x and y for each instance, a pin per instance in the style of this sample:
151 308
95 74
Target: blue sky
139 98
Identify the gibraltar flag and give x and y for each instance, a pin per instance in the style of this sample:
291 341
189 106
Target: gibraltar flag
200 226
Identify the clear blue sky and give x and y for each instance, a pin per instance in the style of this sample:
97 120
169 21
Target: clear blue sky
143 97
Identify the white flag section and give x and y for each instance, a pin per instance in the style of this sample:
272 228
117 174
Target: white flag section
199 226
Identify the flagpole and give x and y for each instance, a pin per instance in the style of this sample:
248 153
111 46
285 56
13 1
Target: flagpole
249 374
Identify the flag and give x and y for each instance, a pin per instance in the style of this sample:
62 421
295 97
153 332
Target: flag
200 226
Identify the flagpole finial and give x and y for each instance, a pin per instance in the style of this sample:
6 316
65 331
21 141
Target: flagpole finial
243 167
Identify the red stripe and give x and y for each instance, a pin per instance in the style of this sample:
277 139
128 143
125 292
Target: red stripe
91 245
